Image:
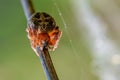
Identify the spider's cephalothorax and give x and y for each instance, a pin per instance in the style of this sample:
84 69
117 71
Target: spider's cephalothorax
42 21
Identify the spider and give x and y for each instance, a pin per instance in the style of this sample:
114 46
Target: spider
42 29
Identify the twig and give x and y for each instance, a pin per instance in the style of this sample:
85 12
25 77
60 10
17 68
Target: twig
28 8
43 54
47 64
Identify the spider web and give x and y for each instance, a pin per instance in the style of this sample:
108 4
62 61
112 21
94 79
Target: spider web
67 32
100 39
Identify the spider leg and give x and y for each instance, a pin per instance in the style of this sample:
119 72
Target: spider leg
55 36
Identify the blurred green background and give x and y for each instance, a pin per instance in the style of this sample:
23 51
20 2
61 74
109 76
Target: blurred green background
72 59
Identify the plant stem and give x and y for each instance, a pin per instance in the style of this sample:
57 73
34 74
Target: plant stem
47 64
43 54
28 8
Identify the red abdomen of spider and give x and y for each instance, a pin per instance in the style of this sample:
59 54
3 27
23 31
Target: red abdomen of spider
38 38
